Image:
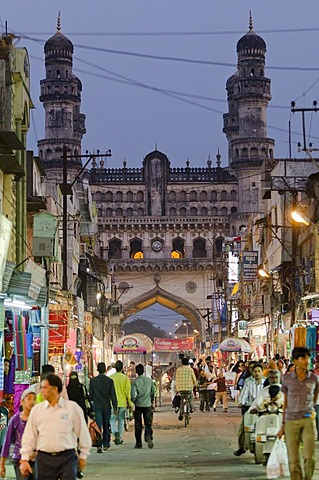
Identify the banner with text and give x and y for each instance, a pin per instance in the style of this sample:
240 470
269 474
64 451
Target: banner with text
173 344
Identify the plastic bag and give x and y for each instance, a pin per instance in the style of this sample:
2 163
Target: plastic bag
277 465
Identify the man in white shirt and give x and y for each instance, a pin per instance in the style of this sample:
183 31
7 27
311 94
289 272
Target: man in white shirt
247 395
56 430
264 398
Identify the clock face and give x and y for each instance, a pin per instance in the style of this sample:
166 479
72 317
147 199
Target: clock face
157 245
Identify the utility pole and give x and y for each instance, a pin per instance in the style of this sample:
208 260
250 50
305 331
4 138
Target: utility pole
67 190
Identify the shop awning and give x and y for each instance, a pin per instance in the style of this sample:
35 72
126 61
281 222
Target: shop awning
235 345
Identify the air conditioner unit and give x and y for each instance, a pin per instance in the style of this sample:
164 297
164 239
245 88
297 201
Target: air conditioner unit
43 247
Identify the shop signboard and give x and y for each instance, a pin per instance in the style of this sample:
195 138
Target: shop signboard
173 344
249 266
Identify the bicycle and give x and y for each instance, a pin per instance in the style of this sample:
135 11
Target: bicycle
185 408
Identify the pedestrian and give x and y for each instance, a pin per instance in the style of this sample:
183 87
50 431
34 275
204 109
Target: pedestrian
45 370
221 394
202 385
102 395
268 395
252 387
56 429
186 380
78 393
131 372
300 390
143 395
122 387
14 435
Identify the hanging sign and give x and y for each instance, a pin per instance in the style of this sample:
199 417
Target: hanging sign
173 344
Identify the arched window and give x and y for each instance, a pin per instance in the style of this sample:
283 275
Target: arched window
109 196
244 153
129 212
140 212
203 196
253 152
219 244
204 211
119 212
199 248
271 153
223 211
252 72
115 249
178 250
136 250
98 196
119 196
193 211
233 210
213 196
236 153
172 196
109 212
140 196
193 196
182 196
129 196
223 195
48 154
214 211
172 211
182 211
233 195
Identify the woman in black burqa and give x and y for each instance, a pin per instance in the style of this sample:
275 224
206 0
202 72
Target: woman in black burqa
78 393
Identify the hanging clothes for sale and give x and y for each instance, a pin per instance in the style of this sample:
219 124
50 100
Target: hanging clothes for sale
311 338
300 336
20 342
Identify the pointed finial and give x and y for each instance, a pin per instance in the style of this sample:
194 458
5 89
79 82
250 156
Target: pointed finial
58 25
187 163
124 163
250 21
218 157
156 145
209 162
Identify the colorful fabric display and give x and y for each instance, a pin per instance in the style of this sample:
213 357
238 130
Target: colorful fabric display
20 342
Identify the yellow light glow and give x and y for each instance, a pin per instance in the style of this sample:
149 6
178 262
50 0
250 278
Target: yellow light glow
299 217
262 273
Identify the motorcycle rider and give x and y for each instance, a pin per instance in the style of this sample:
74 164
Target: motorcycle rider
267 395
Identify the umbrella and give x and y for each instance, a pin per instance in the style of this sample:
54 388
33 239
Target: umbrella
235 345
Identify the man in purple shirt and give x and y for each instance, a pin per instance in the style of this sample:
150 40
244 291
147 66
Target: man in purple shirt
14 433
300 390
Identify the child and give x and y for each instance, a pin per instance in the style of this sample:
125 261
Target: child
221 395
203 383
14 434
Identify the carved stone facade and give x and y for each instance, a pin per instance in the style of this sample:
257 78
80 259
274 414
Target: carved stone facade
162 228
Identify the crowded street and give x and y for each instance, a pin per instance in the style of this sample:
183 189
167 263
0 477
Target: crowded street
202 450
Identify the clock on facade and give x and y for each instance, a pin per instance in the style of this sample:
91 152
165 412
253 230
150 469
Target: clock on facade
157 245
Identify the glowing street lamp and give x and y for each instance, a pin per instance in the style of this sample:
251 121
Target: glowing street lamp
263 273
299 217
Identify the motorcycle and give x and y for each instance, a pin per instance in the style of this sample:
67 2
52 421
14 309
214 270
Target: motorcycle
266 429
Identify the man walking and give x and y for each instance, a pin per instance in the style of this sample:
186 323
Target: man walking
300 390
122 387
102 395
56 429
143 395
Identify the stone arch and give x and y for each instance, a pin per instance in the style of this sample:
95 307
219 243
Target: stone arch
168 300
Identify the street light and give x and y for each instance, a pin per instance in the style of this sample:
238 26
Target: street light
262 272
299 217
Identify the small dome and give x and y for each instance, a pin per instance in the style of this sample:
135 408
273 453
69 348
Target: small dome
58 42
251 40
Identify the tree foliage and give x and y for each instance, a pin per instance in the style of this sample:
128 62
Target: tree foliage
139 325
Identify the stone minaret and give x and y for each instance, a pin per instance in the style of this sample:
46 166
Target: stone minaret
61 98
245 124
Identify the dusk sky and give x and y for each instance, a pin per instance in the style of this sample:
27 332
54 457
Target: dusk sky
124 114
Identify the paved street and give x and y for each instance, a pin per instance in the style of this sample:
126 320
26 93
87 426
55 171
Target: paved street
202 450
